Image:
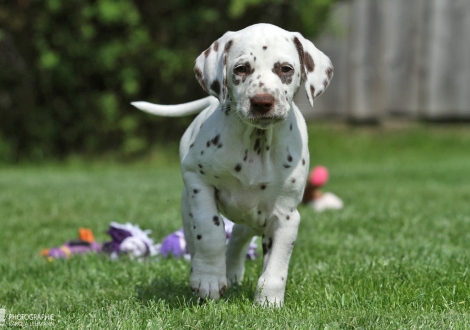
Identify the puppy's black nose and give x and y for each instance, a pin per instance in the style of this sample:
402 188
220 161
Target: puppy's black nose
262 103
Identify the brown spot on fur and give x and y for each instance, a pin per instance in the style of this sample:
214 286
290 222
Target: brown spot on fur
215 140
245 74
216 46
312 91
257 145
207 52
286 77
235 81
300 51
222 290
198 73
265 47
309 63
200 78
215 86
329 73
228 45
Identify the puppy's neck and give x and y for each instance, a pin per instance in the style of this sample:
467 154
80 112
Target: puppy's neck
258 140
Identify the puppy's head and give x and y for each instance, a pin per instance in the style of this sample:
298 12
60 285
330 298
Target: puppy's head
258 70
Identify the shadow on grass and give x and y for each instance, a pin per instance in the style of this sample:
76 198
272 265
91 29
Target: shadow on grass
175 293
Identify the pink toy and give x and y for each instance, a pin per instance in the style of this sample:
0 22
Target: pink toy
314 197
318 176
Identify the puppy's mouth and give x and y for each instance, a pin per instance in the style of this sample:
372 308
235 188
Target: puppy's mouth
264 121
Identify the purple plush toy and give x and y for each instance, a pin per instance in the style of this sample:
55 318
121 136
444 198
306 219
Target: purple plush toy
129 239
175 244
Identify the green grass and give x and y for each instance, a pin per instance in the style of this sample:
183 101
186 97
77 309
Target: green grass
396 257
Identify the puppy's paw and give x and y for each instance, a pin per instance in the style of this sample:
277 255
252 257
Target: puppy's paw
208 281
270 292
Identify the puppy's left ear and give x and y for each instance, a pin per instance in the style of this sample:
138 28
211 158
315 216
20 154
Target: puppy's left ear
317 67
211 67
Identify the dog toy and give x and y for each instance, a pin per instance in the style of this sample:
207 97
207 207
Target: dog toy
175 243
319 176
84 244
129 239
314 197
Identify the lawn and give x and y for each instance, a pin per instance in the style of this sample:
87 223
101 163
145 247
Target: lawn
396 257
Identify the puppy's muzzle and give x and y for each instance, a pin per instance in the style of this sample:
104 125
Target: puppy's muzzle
262 104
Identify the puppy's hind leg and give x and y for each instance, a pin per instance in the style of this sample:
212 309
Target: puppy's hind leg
236 253
187 216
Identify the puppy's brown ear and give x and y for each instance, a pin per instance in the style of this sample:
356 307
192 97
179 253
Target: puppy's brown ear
317 67
211 67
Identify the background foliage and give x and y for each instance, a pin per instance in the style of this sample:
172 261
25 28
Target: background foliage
68 69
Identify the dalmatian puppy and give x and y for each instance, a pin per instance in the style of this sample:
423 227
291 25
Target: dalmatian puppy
245 156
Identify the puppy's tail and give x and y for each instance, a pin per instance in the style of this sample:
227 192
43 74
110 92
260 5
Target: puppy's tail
177 110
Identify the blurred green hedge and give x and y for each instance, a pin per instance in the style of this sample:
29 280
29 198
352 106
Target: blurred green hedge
69 69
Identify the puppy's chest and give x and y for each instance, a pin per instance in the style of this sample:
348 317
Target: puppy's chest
250 178
245 165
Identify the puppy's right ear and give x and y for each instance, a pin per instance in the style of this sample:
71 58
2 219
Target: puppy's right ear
211 67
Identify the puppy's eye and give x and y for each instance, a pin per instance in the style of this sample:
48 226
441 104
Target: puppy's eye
286 69
241 69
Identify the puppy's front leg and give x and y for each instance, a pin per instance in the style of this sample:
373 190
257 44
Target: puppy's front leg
278 241
208 273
